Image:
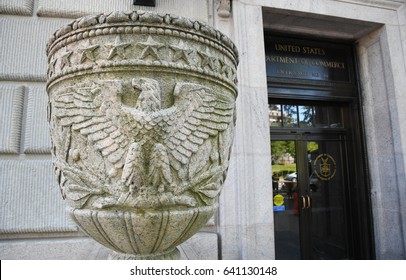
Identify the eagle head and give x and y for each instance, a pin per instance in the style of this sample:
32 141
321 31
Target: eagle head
149 99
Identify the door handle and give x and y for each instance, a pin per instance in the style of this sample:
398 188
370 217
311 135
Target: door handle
308 201
303 202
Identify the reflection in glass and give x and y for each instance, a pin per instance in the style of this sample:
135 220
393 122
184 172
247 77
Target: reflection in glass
305 116
289 115
312 146
283 115
329 232
275 115
334 116
286 211
321 116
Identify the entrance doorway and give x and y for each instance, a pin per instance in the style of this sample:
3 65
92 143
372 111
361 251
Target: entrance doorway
320 185
310 182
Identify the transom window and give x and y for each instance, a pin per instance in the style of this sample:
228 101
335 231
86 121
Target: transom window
304 116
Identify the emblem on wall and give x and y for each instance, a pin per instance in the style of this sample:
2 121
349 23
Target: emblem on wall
325 167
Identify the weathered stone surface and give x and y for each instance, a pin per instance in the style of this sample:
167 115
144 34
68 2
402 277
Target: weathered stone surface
382 131
11 113
142 114
385 4
202 246
36 138
246 214
22 55
79 248
223 8
197 9
17 7
30 199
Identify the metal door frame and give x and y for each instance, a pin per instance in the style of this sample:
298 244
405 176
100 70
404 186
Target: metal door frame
301 138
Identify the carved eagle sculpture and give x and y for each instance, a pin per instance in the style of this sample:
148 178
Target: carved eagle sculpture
148 149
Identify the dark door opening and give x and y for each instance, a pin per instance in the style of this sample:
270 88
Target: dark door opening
310 189
310 182
320 184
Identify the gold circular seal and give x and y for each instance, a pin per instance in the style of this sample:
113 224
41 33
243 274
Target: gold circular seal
325 167
278 200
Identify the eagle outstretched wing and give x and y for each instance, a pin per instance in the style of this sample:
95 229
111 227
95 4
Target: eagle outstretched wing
148 145
199 114
91 110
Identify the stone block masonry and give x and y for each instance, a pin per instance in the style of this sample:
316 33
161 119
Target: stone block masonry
17 7
22 51
11 108
30 199
196 9
37 140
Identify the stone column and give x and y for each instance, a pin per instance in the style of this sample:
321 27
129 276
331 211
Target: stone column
246 212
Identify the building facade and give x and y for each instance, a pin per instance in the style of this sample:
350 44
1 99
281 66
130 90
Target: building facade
334 70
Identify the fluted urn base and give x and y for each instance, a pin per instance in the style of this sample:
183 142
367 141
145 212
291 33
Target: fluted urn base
169 255
142 235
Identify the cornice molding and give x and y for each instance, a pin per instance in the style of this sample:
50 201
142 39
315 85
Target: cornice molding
383 4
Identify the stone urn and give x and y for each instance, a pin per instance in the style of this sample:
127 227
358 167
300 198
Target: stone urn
142 115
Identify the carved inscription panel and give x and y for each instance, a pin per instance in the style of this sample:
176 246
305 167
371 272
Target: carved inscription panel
309 60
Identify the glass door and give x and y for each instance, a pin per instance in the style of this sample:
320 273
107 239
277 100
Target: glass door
309 182
326 197
309 191
285 199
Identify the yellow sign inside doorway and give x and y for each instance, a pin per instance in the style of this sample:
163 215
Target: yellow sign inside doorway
278 200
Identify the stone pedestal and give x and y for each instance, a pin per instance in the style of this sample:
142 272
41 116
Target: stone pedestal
142 114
